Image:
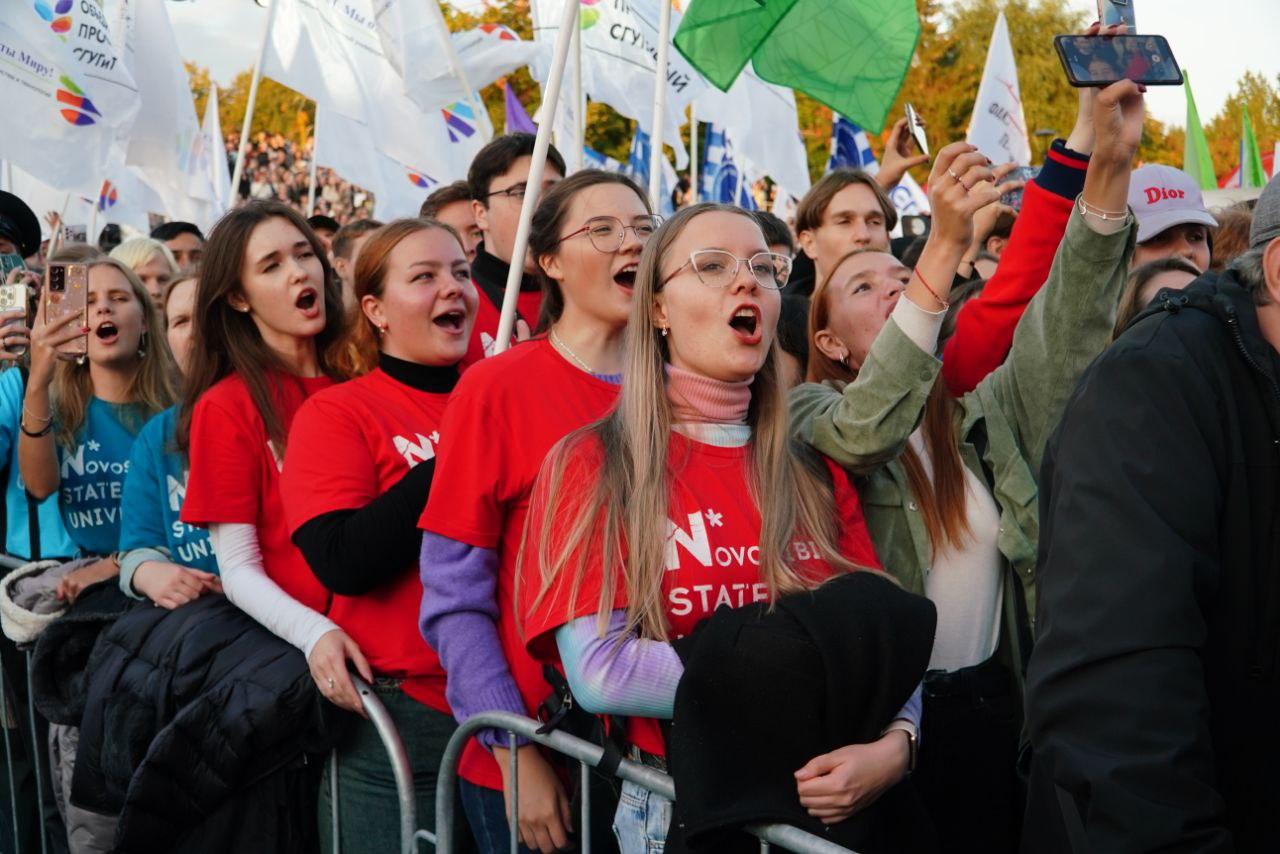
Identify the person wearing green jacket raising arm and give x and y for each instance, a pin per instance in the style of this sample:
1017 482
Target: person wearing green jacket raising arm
949 486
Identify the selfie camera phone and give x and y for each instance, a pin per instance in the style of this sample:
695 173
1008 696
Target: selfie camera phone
1112 12
14 298
1013 198
10 261
916 127
67 292
1097 62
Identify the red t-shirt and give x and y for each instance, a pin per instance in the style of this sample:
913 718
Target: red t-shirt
348 445
713 555
488 313
504 416
235 476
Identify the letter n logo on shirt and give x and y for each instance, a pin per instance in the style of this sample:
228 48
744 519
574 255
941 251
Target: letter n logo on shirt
415 452
177 492
694 540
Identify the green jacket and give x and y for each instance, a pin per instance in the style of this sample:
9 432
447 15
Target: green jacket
1003 423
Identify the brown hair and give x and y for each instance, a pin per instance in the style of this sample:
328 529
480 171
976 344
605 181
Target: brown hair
225 341
344 239
942 500
1129 306
356 352
458 191
151 386
1231 237
813 207
548 219
630 500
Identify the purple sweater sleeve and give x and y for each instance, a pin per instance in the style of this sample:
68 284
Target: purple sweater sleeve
459 619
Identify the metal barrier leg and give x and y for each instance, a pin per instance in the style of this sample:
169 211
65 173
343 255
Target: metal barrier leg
8 762
584 821
334 826
38 750
515 792
381 720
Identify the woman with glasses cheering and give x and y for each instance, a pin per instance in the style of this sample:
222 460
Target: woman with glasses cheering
505 415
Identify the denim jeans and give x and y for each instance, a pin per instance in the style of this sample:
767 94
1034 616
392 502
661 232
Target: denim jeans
641 822
369 809
486 811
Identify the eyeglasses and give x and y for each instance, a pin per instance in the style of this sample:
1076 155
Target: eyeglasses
607 233
719 269
515 193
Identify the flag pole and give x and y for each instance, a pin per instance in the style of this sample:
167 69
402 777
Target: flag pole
693 151
55 239
579 102
315 145
537 165
91 238
238 172
659 105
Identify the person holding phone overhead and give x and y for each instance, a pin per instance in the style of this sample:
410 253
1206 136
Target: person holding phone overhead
80 415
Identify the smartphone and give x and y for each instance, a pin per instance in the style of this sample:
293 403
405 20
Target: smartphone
14 297
10 261
916 127
1092 61
1112 12
66 291
1013 198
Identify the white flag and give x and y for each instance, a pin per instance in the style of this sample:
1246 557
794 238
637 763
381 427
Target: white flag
126 197
347 147
65 90
209 158
619 58
332 54
44 199
998 128
416 41
909 200
762 121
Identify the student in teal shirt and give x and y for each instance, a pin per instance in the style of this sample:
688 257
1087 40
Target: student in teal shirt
47 538
80 415
163 558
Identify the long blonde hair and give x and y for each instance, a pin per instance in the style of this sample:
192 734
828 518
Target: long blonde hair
152 385
629 504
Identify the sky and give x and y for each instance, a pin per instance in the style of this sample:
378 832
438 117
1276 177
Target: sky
1215 40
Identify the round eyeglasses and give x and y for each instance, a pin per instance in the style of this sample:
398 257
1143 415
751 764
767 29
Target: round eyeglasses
608 233
718 268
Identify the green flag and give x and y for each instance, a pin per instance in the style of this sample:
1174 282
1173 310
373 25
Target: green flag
851 55
1196 161
1251 172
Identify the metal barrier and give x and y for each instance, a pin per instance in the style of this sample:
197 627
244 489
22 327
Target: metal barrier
588 756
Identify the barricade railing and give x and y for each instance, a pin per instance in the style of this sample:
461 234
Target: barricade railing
39 750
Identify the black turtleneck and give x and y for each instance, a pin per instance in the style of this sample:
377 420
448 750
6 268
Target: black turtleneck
490 275
353 552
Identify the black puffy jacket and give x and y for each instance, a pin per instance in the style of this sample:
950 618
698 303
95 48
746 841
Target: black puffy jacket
1157 663
204 732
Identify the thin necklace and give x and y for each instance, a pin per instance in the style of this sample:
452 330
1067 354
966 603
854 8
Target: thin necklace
559 342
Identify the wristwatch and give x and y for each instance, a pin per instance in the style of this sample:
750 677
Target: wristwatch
912 732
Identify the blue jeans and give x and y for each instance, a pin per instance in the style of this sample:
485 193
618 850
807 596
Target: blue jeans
486 812
641 821
369 808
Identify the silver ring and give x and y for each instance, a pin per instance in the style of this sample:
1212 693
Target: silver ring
330 681
952 173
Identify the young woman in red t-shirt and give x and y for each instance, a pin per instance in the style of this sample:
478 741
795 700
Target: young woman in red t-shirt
687 497
504 416
267 308
360 464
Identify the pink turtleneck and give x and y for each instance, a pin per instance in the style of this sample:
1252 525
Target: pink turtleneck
696 399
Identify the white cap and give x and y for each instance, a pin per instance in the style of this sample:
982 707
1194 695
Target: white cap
1162 197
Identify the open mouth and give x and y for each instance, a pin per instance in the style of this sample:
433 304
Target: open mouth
307 299
626 277
107 332
453 321
746 323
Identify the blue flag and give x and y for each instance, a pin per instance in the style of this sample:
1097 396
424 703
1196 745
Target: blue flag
637 168
720 174
850 148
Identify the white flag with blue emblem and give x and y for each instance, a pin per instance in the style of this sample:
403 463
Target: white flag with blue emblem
850 148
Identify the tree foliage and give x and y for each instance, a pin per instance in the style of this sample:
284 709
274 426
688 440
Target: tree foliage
1223 132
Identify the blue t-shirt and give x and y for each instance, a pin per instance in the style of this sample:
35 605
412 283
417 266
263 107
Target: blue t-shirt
153 495
54 540
93 475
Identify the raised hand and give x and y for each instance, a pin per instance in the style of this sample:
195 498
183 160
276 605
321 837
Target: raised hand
897 156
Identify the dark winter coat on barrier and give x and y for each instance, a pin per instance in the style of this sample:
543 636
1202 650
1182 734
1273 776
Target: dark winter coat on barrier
1160 591
764 691
205 732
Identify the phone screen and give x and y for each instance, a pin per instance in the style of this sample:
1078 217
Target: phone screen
1112 12
10 261
67 292
1092 61
916 128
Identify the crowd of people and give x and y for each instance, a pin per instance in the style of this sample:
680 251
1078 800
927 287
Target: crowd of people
952 543
278 169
